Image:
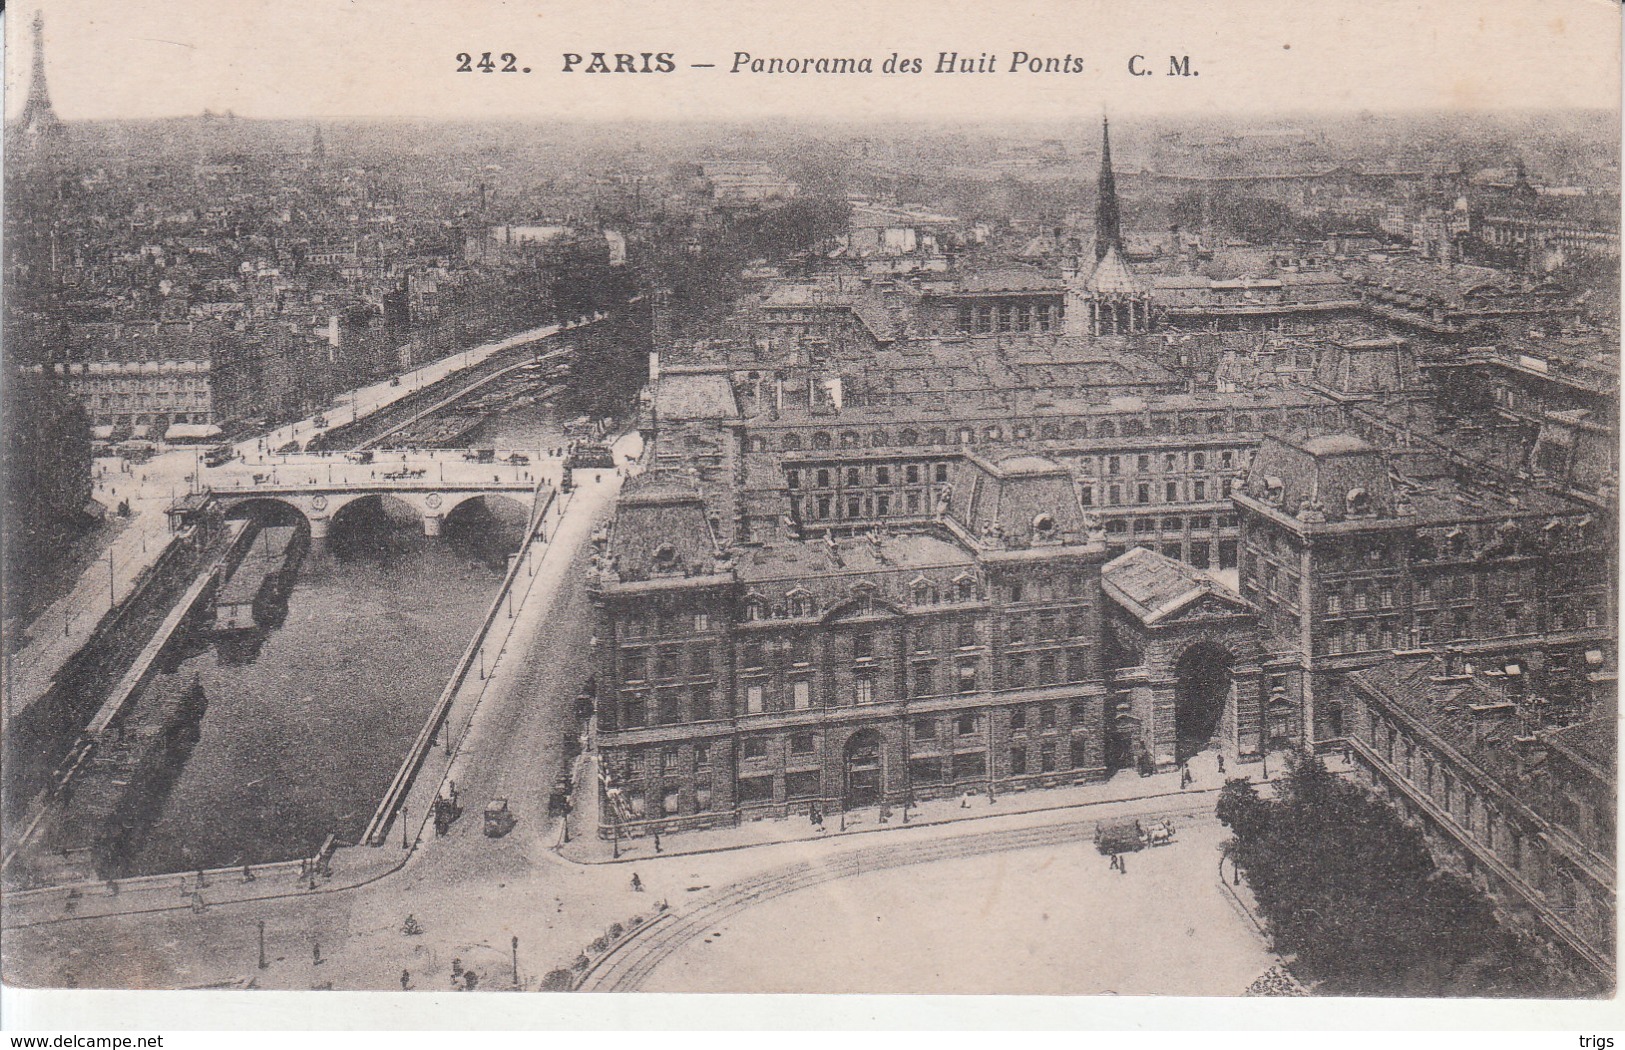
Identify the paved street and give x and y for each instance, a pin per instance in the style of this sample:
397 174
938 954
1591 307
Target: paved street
1052 919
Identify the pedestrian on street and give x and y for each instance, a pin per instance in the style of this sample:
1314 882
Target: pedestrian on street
406 980
1113 864
1122 864
637 883
657 842
1221 765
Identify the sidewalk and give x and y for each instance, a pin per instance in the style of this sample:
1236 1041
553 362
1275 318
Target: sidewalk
177 891
585 847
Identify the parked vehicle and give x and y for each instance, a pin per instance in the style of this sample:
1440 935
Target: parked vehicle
498 820
519 459
220 455
363 457
481 455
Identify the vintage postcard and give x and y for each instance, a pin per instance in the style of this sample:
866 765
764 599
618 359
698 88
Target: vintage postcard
1065 499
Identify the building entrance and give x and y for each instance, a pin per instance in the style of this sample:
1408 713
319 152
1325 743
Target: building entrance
1203 676
863 769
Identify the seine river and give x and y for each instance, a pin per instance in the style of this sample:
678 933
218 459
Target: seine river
301 737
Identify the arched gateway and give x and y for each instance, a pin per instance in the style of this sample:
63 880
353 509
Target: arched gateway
1187 678
1201 695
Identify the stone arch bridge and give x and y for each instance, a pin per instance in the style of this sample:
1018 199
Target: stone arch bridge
320 502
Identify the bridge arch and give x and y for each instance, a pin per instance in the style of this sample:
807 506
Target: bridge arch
273 510
501 504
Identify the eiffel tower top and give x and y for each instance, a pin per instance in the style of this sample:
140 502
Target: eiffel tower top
39 119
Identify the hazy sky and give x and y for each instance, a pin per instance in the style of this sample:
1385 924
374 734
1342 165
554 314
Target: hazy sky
337 58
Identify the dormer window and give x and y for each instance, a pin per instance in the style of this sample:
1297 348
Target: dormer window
665 557
1274 490
1359 503
1044 526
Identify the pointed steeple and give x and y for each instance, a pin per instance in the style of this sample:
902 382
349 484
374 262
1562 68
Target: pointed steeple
1108 222
39 119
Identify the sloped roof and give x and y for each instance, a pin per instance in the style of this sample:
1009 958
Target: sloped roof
1153 587
1324 470
680 397
660 527
1113 277
1022 500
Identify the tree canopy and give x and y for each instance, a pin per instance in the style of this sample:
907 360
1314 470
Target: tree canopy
1351 890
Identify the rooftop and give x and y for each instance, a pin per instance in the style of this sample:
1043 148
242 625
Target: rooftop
1152 587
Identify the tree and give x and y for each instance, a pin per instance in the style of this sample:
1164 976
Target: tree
1239 807
1351 890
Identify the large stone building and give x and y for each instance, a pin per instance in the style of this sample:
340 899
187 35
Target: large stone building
1525 810
1347 561
740 680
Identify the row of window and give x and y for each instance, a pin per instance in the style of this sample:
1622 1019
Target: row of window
633 623
1160 424
1165 462
1195 490
1363 598
1481 821
925 771
879 474
1008 317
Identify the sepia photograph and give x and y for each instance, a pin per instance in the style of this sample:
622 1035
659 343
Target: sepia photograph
1065 500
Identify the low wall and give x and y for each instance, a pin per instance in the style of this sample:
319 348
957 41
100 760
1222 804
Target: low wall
377 831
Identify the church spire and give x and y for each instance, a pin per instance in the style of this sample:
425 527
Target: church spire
1108 222
39 119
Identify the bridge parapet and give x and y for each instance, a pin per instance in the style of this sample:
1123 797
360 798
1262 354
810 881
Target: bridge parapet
320 503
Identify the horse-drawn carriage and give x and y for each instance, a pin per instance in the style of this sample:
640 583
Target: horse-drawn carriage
1131 834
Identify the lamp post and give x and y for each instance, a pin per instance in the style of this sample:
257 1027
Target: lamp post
263 963
405 842
516 960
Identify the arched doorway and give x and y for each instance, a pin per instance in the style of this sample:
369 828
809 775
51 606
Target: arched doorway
1203 687
863 769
